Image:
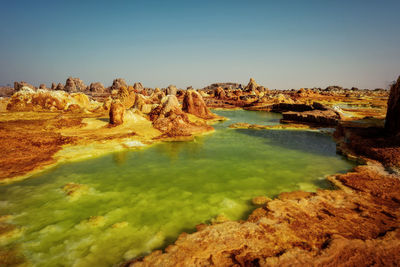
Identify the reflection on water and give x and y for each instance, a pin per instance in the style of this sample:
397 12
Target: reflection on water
120 157
173 149
132 202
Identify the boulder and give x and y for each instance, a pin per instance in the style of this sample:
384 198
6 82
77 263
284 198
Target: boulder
53 86
42 86
392 122
171 90
193 103
117 111
97 87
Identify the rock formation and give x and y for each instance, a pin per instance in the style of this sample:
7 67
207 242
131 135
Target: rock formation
127 96
73 85
157 95
18 85
193 103
392 123
169 118
171 90
42 86
251 86
60 87
138 87
144 104
118 83
28 100
220 93
53 86
97 87
315 114
225 86
117 111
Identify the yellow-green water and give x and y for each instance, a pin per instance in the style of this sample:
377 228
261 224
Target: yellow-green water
148 197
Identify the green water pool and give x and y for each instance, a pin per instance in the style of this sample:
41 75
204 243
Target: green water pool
146 198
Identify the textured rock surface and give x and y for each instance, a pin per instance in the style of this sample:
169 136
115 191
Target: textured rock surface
118 83
97 87
18 85
220 93
392 123
73 85
117 111
29 100
193 103
171 90
138 87
325 228
59 87
127 96
251 86
320 117
169 118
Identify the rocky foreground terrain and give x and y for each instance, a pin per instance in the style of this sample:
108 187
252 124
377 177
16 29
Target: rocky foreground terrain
355 225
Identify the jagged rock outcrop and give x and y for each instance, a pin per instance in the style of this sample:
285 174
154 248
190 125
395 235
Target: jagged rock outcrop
73 85
392 122
97 87
53 86
251 86
60 87
157 96
169 118
117 111
171 90
127 96
145 104
220 93
18 85
138 87
193 103
118 83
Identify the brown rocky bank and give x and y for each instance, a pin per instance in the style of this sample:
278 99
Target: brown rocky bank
355 225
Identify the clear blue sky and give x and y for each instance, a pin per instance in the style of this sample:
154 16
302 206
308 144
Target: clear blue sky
282 44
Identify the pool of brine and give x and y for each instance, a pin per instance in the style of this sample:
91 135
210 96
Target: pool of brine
138 201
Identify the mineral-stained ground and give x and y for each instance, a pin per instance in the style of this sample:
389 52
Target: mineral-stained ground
357 224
